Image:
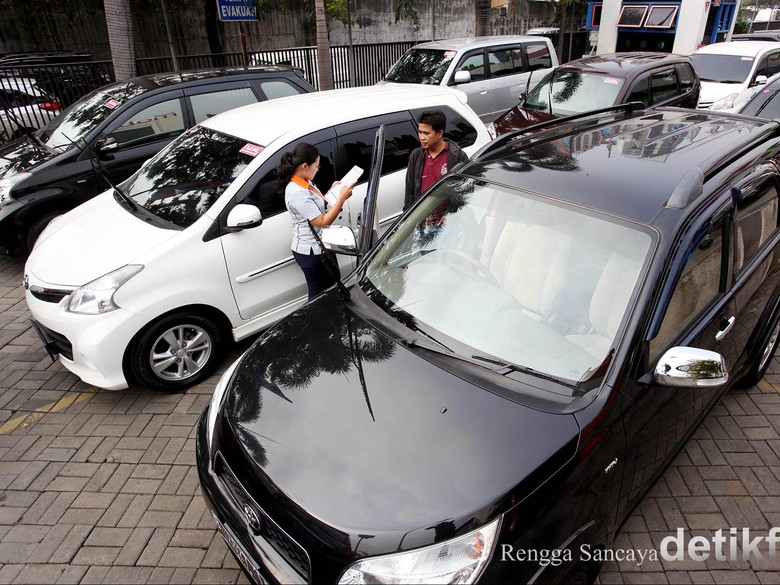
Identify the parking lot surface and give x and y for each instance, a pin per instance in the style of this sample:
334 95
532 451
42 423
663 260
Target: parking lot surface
101 487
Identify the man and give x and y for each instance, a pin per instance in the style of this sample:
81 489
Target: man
432 159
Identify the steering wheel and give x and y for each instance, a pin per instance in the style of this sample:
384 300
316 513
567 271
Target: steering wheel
473 262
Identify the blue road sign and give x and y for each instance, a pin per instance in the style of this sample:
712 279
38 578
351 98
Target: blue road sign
237 9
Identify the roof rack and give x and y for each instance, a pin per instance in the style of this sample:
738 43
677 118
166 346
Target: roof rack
629 108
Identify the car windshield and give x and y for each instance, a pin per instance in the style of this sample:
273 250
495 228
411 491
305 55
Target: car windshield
501 273
722 68
184 179
85 115
421 66
574 92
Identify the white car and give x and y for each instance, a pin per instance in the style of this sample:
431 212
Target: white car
727 69
24 107
736 102
149 281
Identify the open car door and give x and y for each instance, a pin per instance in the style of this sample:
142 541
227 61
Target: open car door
368 230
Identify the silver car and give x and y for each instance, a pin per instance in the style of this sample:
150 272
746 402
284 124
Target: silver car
491 71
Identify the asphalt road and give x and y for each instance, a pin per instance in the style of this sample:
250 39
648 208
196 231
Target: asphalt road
101 487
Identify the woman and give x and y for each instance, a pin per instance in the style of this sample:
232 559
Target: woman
306 203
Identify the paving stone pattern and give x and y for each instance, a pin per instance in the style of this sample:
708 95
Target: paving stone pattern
101 487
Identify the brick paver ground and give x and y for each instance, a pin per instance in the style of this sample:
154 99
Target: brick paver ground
101 487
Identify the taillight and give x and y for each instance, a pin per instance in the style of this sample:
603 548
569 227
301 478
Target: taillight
50 106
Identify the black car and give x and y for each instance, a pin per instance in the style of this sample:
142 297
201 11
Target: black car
511 367
108 134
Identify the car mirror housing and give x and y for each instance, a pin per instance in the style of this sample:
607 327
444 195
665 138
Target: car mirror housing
462 77
339 239
106 144
243 217
691 367
761 79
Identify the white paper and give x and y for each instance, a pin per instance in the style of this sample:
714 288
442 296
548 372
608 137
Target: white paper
332 196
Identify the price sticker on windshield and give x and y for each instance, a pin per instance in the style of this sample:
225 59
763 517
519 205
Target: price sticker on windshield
111 104
449 53
747 58
251 149
613 80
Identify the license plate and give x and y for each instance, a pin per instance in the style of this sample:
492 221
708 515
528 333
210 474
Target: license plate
240 552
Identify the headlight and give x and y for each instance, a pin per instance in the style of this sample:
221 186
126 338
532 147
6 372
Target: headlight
7 185
460 560
98 296
216 400
491 128
725 103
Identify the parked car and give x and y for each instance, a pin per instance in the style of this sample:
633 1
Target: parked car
726 68
655 79
67 75
758 100
493 71
110 132
24 107
511 367
762 35
149 281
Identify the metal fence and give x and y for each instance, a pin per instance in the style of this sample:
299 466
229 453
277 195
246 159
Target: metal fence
31 95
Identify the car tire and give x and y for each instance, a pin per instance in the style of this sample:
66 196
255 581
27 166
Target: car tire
760 362
37 227
176 352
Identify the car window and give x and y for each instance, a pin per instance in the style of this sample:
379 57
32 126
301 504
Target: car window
663 85
756 221
697 287
722 68
160 121
761 68
421 66
572 92
265 194
474 64
686 77
505 62
640 91
458 129
773 63
765 104
276 88
400 140
181 182
207 105
538 56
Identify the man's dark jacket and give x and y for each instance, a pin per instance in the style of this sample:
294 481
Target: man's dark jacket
415 170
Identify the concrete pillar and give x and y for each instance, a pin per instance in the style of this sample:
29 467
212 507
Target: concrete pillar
610 12
691 21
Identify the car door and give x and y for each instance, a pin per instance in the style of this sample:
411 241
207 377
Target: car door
695 310
478 89
264 277
664 87
139 132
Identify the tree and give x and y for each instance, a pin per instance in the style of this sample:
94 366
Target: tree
482 17
119 22
323 47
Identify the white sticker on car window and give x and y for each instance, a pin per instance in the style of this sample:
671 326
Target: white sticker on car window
251 149
111 104
449 53
613 80
748 58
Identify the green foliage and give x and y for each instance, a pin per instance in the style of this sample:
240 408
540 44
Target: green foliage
406 9
741 26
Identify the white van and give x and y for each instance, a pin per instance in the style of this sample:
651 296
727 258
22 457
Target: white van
726 69
149 281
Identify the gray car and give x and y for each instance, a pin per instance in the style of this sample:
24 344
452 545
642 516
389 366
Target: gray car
492 71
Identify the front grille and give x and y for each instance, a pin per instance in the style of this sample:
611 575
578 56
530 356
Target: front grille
292 552
48 295
702 105
55 343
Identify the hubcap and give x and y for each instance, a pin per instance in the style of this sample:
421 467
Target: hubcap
769 350
180 353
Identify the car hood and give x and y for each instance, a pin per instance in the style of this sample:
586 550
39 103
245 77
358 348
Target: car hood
712 91
366 437
518 118
94 239
22 155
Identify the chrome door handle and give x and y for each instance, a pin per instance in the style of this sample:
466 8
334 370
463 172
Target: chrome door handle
723 332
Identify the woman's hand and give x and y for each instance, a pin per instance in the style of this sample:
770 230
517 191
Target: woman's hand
346 191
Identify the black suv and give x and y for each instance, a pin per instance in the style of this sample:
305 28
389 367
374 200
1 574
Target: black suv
512 365
655 79
108 134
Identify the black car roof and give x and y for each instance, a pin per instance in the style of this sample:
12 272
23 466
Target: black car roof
621 64
624 166
194 76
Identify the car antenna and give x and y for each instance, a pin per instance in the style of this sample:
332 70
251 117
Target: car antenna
331 265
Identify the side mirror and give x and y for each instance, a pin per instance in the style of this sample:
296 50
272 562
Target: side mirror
761 80
523 97
462 77
339 239
106 144
243 217
690 367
